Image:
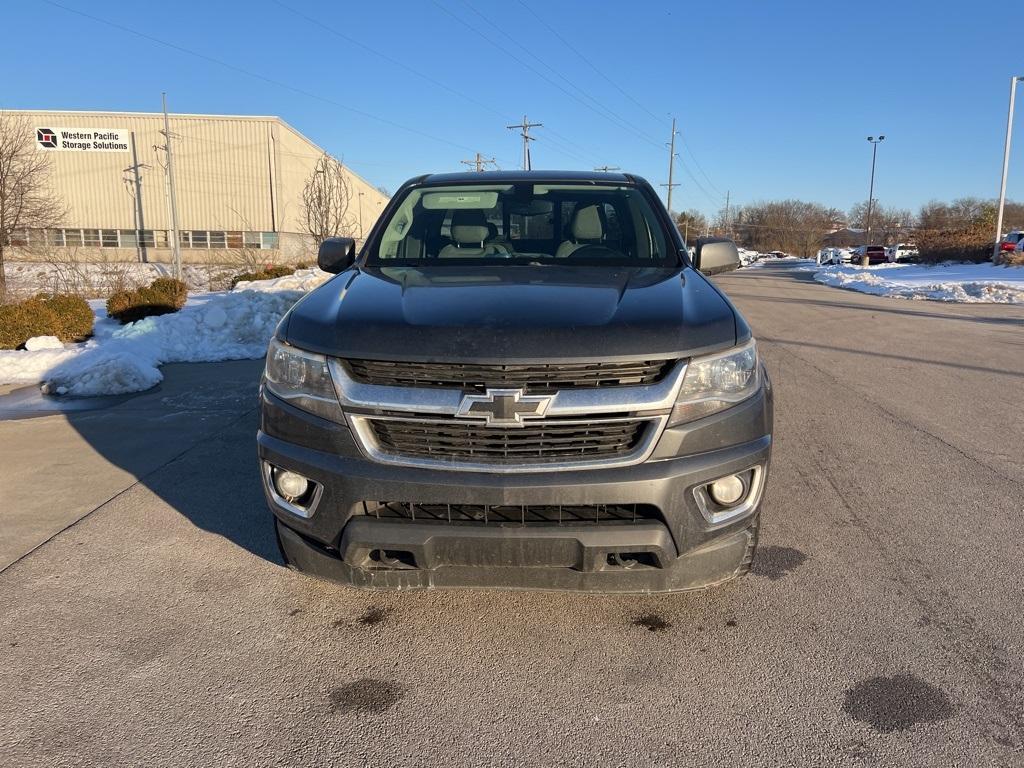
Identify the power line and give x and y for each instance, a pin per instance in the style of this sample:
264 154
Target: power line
589 63
616 86
536 71
257 76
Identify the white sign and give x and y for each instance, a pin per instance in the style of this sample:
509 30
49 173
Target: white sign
83 139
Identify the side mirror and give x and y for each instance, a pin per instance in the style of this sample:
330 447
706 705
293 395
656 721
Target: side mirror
336 254
716 254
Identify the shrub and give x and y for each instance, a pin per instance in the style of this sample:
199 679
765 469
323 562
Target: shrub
176 291
163 296
73 317
972 243
267 273
69 318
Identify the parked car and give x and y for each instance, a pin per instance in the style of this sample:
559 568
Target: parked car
1011 240
876 254
901 252
568 403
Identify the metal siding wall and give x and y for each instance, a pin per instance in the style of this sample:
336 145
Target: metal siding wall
221 169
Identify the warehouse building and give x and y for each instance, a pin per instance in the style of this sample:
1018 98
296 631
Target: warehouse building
238 187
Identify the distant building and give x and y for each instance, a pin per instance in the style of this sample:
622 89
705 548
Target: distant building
843 238
238 179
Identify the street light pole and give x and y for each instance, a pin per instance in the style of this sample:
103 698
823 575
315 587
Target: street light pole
870 193
1006 165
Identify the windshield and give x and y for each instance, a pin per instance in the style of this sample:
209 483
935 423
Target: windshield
526 222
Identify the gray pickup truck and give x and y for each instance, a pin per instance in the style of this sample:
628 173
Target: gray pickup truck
523 380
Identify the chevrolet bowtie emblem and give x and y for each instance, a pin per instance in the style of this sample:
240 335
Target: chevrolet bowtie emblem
503 407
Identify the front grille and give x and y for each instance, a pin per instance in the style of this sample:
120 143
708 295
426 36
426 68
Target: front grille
522 514
545 441
531 378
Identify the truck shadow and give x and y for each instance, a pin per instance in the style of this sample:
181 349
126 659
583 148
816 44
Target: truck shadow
191 442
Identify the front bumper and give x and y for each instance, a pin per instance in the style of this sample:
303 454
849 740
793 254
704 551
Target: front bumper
683 550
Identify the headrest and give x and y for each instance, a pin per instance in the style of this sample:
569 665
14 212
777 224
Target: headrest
586 224
469 226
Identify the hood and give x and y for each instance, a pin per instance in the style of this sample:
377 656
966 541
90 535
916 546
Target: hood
513 313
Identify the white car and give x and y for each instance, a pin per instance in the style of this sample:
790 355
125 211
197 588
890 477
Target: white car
901 252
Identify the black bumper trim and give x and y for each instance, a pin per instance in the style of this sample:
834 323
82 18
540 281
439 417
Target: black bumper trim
523 558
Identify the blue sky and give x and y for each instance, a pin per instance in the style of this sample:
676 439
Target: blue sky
773 99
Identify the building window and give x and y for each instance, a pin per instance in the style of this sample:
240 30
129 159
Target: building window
19 237
251 239
73 237
91 238
218 240
108 238
55 237
268 240
128 238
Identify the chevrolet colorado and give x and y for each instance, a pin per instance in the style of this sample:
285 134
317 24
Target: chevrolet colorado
523 380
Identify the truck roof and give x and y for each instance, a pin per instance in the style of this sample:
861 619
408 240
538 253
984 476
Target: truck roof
513 176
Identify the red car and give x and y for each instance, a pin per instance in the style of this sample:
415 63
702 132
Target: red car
1009 243
876 254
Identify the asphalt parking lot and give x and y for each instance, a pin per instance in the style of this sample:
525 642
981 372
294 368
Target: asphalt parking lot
145 618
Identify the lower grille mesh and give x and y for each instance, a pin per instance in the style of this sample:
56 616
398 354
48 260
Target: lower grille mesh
523 514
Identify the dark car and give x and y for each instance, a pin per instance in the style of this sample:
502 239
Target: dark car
522 381
876 254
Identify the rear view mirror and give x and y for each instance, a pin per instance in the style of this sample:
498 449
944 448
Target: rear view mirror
716 254
336 254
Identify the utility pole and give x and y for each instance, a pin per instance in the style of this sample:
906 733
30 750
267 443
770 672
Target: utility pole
360 198
606 168
728 224
871 195
480 162
1006 165
524 128
171 192
136 181
671 164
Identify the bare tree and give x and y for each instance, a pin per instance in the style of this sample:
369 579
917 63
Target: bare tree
691 224
26 199
325 200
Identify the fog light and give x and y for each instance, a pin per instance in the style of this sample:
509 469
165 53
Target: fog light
727 490
291 485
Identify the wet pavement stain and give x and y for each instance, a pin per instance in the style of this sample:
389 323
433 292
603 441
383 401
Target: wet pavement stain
776 562
374 615
366 695
731 623
652 622
896 703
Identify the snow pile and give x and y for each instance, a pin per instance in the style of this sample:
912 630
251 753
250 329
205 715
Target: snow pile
954 282
120 359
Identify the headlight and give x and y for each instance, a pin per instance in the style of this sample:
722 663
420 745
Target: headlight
716 382
302 379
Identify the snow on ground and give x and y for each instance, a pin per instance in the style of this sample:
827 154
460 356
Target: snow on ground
119 359
955 282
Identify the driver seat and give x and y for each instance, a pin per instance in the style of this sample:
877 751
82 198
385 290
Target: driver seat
471 235
585 228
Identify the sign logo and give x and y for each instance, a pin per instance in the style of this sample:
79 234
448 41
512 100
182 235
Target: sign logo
47 138
503 407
